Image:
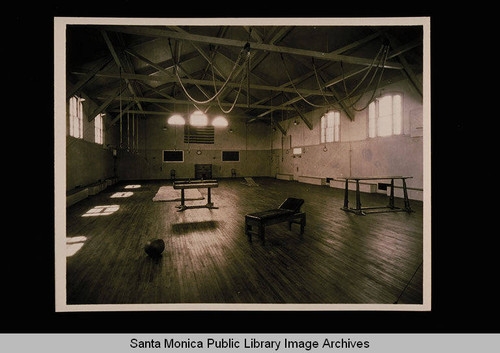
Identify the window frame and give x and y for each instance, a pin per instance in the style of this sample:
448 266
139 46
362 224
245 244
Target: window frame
335 128
373 123
76 117
99 130
226 161
165 161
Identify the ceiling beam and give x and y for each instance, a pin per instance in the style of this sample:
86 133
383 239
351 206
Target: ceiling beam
182 101
280 128
210 83
80 84
237 71
104 105
345 108
304 77
255 58
121 112
158 32
119 63
299 113
396 52
408 71
145 112
221 33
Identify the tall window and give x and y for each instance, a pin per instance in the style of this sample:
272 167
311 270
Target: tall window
330 127
385 116
76 117
98 129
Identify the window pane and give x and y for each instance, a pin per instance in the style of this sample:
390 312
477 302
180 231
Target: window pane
384 126
331 117
384 121
397 115
371 119
329 134
75 117
72 113
80 120
323 126
337 126
98 129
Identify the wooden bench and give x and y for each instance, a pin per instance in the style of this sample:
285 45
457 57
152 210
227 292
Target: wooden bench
288 211
97 187
111 181
312 180
413 193
283 176
76 195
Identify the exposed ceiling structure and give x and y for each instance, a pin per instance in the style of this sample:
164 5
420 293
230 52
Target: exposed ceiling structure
256 73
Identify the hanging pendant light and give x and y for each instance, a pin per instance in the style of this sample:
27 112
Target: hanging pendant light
198 118
220 121
176 119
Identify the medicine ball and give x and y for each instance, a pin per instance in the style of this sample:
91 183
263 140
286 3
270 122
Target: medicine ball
154 248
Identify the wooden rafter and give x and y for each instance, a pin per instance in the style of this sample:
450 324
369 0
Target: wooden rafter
261 46
119 64
104 105
170 79
408 71
157 32
304 77
185 101
82 82
340 78
299 113
211 62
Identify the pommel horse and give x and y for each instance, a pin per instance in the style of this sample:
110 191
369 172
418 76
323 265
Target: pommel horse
196 184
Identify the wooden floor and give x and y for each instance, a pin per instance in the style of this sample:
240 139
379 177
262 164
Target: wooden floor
342 257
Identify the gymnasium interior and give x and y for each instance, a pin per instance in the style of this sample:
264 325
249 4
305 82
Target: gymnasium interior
242 164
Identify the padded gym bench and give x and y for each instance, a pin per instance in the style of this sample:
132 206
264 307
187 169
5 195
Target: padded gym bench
288 211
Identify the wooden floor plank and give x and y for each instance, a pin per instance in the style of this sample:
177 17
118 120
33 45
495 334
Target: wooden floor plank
341 258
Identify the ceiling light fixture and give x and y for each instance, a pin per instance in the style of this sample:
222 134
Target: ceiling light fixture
198 118
176 119
220 121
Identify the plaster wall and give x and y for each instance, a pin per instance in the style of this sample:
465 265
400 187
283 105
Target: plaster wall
251 140
263 152
355 153
86 161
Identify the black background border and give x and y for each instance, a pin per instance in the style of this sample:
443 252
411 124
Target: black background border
462 259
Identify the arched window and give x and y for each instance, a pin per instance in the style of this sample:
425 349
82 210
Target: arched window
385 116
76 117
330 126
98 129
